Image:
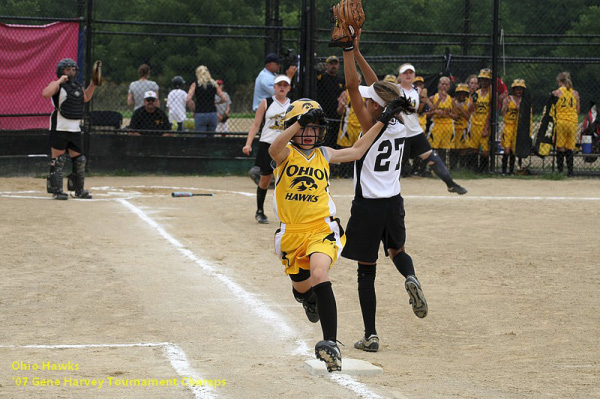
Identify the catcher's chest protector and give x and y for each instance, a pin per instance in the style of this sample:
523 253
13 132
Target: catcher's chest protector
72 107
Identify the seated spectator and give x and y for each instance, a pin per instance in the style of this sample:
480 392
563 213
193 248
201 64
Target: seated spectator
223 109
149 117
141 86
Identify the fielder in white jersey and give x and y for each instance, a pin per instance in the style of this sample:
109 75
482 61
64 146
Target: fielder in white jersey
377 214
272 110
416 142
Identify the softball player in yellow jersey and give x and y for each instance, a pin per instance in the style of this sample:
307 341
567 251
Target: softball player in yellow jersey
443 118
480 129
510 112
310 238
461 108
567 110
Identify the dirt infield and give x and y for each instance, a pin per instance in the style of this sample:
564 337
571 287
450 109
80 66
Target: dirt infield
136 288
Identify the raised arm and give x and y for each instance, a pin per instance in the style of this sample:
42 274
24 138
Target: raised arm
352 83
365 68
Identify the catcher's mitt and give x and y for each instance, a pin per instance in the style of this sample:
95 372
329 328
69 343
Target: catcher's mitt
346 17
97 73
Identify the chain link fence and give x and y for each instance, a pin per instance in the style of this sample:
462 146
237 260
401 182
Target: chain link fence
162 51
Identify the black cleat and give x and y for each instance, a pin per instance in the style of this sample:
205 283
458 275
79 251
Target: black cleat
457 189
83 194
329 352
60 196
261 217
370 344
417 298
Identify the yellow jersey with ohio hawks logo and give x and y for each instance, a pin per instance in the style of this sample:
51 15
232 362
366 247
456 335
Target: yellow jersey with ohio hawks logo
302 187
482 109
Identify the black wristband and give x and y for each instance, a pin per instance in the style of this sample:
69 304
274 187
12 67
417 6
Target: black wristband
348 48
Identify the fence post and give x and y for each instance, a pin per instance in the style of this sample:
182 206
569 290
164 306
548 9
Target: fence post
493 101
88 70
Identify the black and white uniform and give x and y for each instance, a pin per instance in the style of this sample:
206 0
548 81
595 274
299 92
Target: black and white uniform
377 213
65 133
416 142
273 126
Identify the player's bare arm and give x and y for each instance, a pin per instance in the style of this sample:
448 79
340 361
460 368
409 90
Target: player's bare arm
278 149
352 83
54 86
258 117
368 73
358 149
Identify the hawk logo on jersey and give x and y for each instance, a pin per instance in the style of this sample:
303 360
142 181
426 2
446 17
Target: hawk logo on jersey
278 122
304 183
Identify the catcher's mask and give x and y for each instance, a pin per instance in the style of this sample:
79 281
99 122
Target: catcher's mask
300 107
178 82
64 63
518 83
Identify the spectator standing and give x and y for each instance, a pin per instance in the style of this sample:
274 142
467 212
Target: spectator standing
329 88
223 108
141 86
263 85
149 117
201 98
567 109
442 114
68 98
176 102
473 83
461 106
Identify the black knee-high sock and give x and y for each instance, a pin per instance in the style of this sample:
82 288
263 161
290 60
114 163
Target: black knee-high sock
504 162
261 193
569 155
511 166
327 309
404 264
560 159
440 169
367 297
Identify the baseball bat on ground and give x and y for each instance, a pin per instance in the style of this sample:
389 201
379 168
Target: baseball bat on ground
187 194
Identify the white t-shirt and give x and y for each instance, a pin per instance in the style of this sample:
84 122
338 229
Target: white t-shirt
176 104
274 120
138 88
377 173
411 121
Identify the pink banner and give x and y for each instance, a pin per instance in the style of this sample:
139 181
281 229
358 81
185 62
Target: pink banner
28 58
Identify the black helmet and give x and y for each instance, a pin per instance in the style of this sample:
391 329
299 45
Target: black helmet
178 82
62 64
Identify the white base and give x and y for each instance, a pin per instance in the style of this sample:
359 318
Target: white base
349 366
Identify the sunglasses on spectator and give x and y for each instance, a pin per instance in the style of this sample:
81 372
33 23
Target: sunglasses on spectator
150 100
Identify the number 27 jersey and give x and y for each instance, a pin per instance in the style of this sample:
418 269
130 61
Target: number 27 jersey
377 173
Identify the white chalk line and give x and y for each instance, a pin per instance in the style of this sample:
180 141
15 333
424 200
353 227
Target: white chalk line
113 192
285 332
174 353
